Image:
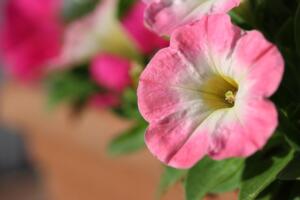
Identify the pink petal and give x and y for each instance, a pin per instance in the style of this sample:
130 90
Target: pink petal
209 40
176 139
146 40
170 143
158 84
104 100
30 36
111 72
164 16
262 62
250 131
180 141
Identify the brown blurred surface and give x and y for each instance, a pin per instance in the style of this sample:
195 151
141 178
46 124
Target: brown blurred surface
69 151
20 186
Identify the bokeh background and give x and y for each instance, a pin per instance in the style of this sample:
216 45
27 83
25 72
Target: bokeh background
53 155
61 153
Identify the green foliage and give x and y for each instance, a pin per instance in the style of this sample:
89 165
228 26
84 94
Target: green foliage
208 175
230 184
73 86
262 168
128 108
280 190
129 141
169 178
124 6
292 171
74 9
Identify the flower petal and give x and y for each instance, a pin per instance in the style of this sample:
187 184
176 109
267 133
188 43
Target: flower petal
159 94
261 61
105 100
30 37
164 16
254 124
210 39
111 72
182 142
100 31
147 41
175 140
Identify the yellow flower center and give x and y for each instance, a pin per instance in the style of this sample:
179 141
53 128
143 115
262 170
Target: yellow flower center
230 97
219 92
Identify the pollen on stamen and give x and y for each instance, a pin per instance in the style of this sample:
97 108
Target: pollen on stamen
230 97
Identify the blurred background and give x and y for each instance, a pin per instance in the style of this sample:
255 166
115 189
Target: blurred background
70 128
18 177
61 151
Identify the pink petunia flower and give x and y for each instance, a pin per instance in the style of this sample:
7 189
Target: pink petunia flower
30 36
164 16
111 72
146 40
99 31
105 100
206 93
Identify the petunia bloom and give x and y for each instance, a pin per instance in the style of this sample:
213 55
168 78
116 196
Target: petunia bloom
99 31
105 100
111 72
146 40
30 36
164 16
207 93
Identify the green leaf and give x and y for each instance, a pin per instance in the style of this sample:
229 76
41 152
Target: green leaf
292 170
297 29
262 169
124 6
280 190
73 86
169 178
208 174
128 108
128 142
270 192
74 9
232 183
242 15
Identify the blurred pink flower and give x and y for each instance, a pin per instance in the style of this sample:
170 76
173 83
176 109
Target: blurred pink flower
30 36
99 31
111 72
146 40
104 100
207 93
164 16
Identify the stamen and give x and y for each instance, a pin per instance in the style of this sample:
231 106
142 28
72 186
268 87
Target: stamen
230 97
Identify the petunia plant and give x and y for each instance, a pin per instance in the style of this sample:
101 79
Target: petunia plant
222 100
212 85
206 93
